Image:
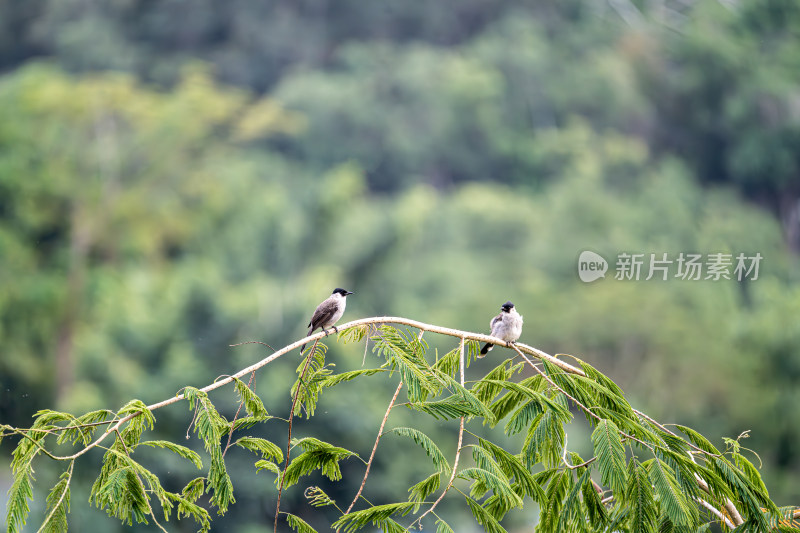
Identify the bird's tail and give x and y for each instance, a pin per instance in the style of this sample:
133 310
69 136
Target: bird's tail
303 347
486 349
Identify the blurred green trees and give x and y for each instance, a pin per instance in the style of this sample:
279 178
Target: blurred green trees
436 159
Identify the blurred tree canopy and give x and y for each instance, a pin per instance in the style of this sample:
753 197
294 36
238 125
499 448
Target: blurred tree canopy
176 178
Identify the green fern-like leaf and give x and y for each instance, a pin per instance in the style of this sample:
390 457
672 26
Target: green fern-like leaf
142 419
498 484
427 444
316 455
219 483
332 381
595 510
354 333
465 396
209 425
267 449
58 504
123 496
484 518
375 515
446 409
523 417
194 489
79 428
490 386
545 440
639 496
699 440
443 527
298 524
752 475
560 481
424 488
571 509
177 449
263 464
21 491
610 455
601 378
404 352
187 507
309 386
510 401
513 467
449 363
671 499
252 403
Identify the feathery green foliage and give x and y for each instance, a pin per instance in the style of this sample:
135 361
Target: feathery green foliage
375 515
427 444
335 379
672 500
610 455
423 489
79 428
443 527
177 449
404 353
487 389
640 499
309 385
58 504
267 449
484 518
654 486
252 403
317 455
298 524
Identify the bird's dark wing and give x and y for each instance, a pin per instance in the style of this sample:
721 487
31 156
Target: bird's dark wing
495 320
323 314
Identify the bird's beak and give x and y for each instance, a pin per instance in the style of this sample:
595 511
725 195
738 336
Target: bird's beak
348 293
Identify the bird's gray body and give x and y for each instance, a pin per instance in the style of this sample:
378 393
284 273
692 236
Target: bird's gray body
506 326
328 312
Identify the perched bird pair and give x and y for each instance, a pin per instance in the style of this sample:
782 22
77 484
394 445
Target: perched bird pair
506 326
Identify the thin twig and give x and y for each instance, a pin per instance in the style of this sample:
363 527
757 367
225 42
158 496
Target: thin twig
458 452
366 345
716 512
375 447
289 439
60 499
241 404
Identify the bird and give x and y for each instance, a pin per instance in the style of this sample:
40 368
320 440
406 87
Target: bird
328 312
507 326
